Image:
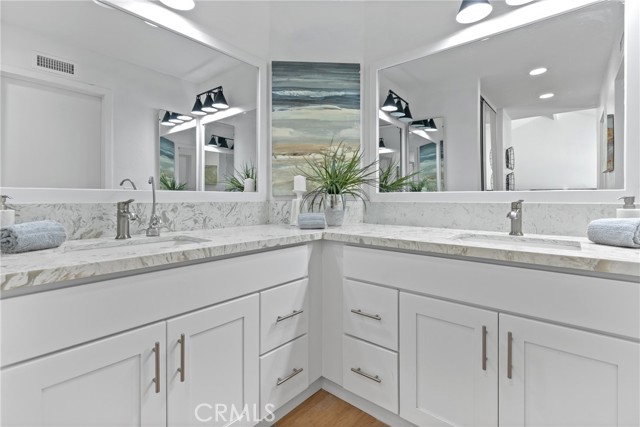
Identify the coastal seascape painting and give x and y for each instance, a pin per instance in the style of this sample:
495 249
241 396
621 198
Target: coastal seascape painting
314 103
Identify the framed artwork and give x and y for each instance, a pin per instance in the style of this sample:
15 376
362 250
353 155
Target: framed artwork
211 174
610 144
510 158
314 103
510 183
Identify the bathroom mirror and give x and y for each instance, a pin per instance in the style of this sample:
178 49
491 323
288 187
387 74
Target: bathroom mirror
550 95
84 91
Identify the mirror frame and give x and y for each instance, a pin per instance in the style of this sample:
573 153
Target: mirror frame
170 21
520 17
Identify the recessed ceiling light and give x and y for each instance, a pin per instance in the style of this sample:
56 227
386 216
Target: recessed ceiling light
473 11
179 4
537 71
149 23
517 2
547 95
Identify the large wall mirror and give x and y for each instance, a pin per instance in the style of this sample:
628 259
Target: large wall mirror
540 107
92 95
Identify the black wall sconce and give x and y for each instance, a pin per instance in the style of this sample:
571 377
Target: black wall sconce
213 101
172 119
393 106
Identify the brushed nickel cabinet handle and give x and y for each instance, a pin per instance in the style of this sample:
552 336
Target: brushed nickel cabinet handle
366 375
484 348
370 316
182 361
289 316
156 350
288 377
509 355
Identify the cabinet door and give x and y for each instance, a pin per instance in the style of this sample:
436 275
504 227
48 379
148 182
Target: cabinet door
559 376
448 363
110 382
213 365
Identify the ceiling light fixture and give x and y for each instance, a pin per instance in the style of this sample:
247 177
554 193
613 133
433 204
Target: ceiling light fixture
389 103
473 11
517 2
393 105
185 118
547 95
537 71
382 149
213 101
431 126
197 108
407 118
173 118
165 120
179 4
207 105
219 101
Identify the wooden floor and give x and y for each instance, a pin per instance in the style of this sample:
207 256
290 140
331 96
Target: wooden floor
325 410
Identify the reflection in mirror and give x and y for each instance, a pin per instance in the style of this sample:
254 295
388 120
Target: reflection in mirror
101 95
549 95
426 155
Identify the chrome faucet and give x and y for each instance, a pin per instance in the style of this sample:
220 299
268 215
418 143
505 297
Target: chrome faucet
154 222
515 215
123 218
128 180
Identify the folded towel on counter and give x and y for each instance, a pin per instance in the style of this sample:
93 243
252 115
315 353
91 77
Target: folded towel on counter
308 221
624 232
32 236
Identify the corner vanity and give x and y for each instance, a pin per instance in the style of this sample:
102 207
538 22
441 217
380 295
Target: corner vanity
416 326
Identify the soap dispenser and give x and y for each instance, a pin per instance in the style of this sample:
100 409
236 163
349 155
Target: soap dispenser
629 210
7 216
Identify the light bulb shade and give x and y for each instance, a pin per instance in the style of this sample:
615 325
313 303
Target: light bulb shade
389 104
212 141
408 118
222 142
420 124
174 119
165 120
197 108
184 117
381 143
431 126
517 2
399 110
179 4
220 101
208 104
473 11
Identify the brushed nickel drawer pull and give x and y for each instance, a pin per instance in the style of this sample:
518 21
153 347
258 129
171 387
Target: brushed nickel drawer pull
288 377
289 316
509 355
370 316
182 361
364 374
156 350
484 348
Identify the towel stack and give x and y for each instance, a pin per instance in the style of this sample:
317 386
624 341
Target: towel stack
308 221
32 236
623 232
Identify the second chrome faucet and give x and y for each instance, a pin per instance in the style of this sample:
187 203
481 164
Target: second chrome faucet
154 221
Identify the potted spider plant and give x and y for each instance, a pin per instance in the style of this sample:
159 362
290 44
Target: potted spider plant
336 174
389 182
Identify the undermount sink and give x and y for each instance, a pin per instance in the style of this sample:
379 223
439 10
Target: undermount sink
537 242
166 242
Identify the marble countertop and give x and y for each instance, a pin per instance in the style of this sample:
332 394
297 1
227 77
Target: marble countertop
82 259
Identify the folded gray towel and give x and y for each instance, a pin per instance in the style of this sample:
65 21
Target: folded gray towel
32 236
308 221
623 232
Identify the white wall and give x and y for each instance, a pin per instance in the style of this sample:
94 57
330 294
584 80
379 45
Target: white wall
556 154
39 147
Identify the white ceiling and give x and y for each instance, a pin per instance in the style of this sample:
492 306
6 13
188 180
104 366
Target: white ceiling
115 34
575 48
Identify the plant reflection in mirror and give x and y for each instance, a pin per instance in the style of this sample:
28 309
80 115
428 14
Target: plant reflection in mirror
235 182
389 182
170 183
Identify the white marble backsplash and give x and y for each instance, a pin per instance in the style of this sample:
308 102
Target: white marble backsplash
94 220
567 219
280 212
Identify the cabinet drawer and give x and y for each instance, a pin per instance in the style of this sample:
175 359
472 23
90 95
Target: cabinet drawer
284 314
371 313
371 372
284 374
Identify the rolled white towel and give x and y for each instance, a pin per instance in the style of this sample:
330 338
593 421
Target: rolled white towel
32 236
623 232
308 221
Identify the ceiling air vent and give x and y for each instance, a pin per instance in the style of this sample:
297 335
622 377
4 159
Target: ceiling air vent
54 65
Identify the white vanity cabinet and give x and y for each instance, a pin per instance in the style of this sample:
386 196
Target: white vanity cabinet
212 361
111 382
